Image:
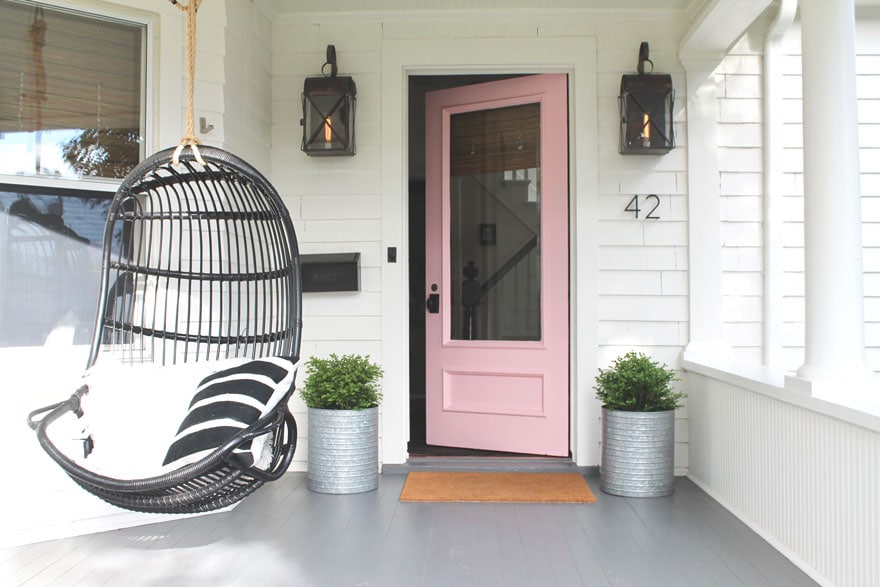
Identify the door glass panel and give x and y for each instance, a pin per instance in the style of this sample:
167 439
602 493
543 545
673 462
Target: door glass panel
495 224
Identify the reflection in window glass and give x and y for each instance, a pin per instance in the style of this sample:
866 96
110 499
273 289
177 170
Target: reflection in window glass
50 258
495 224
71 99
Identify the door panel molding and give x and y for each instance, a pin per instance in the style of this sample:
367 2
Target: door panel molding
477 396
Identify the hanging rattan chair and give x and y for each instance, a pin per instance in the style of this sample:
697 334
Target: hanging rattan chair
200 268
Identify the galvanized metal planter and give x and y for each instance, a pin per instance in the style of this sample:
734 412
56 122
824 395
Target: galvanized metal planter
637 453
343 450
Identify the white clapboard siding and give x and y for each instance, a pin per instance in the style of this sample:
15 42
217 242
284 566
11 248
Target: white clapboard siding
337 201
740 142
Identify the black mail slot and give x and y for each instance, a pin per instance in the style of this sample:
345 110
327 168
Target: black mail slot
330 272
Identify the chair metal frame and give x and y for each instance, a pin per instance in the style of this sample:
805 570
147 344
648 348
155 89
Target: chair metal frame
200 264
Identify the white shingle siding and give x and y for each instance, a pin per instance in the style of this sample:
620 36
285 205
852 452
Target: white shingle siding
741 234
631 283
742 259
740 139
248 61
740 165
233 85
642 277
739 183
628 333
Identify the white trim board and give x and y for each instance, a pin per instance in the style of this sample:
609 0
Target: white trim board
573 56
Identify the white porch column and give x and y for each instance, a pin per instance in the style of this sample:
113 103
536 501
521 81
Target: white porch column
774 110
835 340
703 48
704 214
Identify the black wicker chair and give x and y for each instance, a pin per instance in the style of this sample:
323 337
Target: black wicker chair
215 234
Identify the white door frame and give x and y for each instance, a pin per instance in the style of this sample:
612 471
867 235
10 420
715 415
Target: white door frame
573 56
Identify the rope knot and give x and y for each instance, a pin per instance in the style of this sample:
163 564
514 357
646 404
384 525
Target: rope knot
191 142
185 7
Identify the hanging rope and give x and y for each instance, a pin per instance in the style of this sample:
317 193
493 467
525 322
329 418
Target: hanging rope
189 139
37 33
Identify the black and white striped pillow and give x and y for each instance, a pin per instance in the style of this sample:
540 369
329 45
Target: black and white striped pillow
226 402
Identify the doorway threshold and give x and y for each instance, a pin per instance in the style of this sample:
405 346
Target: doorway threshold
506 464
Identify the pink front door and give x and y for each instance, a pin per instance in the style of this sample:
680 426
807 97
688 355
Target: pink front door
496 266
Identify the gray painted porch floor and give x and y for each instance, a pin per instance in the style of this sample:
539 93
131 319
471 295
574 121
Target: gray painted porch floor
286 535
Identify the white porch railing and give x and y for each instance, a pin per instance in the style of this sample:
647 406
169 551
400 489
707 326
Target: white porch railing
802 472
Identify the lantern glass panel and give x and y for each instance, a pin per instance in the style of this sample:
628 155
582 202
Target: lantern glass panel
328 116
646 103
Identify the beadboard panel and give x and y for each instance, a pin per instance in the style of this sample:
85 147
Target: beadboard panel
806 481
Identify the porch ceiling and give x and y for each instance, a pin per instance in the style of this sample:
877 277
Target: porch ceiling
686 7
715 24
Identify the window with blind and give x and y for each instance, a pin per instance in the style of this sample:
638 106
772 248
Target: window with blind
71 108
71 92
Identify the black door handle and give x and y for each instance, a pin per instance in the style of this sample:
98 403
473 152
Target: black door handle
433 304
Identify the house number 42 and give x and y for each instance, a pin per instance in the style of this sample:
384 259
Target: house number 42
640 204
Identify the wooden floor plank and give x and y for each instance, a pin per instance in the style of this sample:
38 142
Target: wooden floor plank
768 565
487 568
411 544
659 551
581 548
691 548
512 555
37 563
536 552
620 555
563 562
287 535
450 557
723 541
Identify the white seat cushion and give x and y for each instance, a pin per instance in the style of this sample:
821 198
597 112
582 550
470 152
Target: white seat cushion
131 412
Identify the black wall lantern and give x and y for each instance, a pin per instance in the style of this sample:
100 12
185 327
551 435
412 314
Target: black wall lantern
328 112
646 110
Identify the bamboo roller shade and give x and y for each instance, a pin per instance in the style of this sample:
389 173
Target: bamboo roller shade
86 75
500 139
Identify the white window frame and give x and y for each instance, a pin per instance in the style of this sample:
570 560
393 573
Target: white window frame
165 46
149 92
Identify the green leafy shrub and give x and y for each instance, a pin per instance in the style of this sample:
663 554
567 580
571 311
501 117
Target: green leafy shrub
349 382
635 383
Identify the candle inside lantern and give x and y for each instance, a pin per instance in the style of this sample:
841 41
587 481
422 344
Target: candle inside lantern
646 131
328 134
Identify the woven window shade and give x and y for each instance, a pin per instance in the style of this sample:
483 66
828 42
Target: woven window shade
63 70
501 139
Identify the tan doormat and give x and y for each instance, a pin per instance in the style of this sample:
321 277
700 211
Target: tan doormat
497 487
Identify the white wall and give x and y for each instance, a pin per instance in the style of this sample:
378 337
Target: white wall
868 92
740 166
629 281
246 83
334 202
